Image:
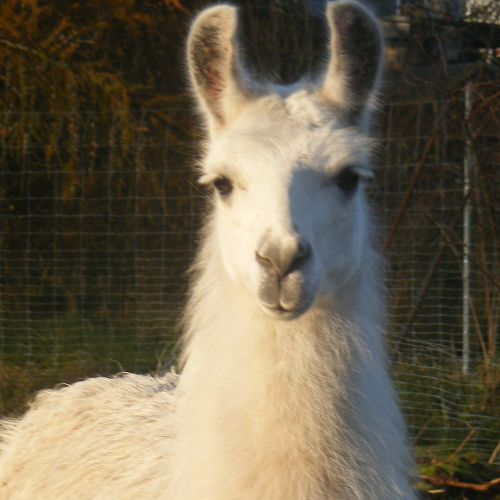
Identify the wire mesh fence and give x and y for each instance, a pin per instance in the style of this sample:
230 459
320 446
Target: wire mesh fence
96 235
437 193
98 228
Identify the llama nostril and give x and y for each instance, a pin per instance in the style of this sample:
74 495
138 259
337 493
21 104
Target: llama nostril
303 249
265 262
301 256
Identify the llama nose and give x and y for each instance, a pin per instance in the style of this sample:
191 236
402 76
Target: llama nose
284 255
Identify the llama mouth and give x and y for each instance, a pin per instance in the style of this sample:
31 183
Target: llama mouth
284 299
281 313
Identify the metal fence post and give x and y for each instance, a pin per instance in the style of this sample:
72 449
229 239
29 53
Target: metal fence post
466 235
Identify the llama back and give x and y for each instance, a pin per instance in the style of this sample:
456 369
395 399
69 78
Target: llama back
102 438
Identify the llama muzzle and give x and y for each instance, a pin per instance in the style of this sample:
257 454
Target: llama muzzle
283 266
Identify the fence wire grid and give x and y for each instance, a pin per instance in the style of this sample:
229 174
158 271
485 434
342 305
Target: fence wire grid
98 228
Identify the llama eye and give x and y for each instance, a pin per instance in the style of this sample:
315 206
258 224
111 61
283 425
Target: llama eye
223 185
347 180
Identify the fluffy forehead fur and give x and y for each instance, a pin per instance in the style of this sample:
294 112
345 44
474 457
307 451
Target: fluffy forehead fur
278 133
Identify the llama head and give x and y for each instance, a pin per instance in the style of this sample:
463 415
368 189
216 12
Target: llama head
288 163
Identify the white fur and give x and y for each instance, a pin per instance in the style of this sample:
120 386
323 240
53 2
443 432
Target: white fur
284 392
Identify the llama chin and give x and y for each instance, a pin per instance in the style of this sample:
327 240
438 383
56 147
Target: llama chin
263 409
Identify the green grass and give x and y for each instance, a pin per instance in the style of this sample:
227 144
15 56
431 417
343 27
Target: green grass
66 349
444 408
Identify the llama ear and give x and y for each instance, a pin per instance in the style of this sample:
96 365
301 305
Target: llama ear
355 57
216 76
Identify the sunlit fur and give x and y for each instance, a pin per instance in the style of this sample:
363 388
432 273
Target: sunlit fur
284 392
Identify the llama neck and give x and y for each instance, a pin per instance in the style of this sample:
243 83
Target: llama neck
274 402
228 330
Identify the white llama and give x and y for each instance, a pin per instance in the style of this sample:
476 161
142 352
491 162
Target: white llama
284 392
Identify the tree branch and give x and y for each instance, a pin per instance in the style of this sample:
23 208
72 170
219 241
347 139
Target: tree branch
437 481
